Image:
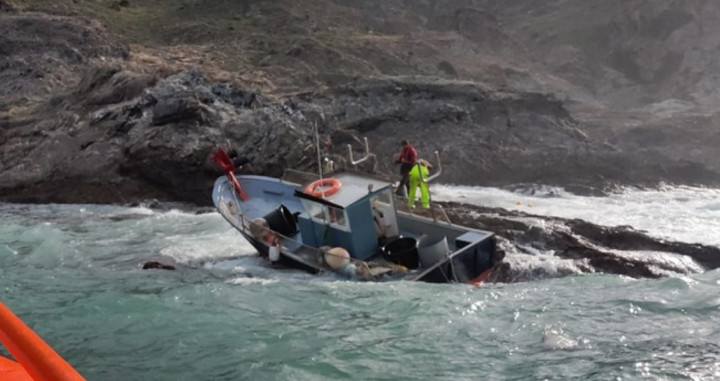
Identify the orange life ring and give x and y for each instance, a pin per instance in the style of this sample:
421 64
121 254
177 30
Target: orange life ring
332 184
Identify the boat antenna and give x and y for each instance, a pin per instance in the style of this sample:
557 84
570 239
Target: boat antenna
317 147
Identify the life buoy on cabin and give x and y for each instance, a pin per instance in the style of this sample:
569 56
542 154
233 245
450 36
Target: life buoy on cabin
323 187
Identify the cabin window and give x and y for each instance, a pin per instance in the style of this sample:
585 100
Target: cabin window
384 197
337 216
314 210
326 214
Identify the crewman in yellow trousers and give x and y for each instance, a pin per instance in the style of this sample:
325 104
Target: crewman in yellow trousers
418 174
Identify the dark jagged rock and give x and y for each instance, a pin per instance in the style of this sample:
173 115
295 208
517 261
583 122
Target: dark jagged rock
41 54
164 135
124 134
627 238
498 137
162 138
177 109
7 6
157 265
104 85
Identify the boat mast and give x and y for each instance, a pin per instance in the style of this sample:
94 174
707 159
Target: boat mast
317 148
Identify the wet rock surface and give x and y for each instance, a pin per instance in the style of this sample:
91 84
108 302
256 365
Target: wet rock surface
583 246
157 266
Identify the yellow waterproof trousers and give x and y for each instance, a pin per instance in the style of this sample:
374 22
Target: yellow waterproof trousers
418 174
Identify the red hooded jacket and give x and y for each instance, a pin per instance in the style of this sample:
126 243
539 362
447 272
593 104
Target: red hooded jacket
408 155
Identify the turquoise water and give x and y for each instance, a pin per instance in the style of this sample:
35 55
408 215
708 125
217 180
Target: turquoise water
71 272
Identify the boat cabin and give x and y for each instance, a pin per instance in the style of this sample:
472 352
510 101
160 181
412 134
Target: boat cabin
358 214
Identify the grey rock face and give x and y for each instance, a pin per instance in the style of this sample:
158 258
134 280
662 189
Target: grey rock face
40 54
160 140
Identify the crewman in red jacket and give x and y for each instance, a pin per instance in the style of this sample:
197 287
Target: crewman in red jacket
407 160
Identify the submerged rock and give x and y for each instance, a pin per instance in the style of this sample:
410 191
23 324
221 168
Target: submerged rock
157 265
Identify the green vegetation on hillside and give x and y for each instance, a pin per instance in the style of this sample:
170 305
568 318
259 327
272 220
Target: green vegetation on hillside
285 46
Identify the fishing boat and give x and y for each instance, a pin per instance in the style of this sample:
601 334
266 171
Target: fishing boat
349 223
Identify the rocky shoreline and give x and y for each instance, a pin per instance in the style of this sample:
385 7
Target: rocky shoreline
83 119
584 247
121 137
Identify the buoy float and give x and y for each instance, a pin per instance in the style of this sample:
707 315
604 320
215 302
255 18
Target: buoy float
337 258
331 184
258 227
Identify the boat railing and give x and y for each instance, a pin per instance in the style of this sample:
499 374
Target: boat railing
438 168
309 255
360 160
442 213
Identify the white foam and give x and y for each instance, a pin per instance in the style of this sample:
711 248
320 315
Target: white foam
686 214
527 267
247 280
187 237
556 339
665 263
214 245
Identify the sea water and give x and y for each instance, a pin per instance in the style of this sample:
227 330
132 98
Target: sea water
72 273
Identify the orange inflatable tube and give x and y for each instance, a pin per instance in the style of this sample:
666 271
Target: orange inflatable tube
12 371
40 361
